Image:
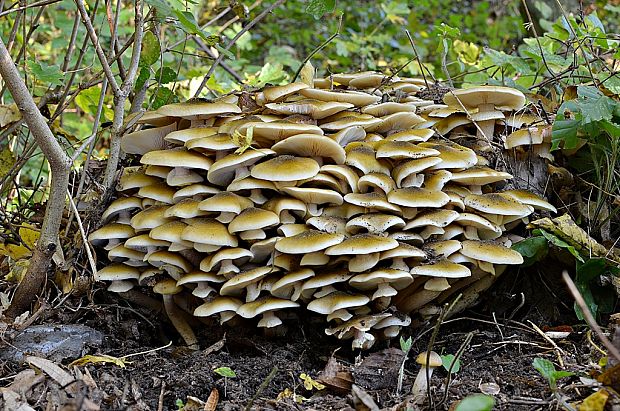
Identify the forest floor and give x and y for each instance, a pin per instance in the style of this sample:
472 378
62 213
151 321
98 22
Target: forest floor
497 360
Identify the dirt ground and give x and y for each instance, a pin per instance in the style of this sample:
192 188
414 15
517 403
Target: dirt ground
497 360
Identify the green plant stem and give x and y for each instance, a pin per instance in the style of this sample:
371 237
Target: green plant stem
319 48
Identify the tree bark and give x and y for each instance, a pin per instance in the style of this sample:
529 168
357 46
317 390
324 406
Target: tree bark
60 165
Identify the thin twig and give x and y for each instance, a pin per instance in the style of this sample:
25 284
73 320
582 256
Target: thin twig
233 41
417 57
261 387
319 48
588 315
91 260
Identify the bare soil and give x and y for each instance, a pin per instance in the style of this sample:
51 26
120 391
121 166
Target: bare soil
499 357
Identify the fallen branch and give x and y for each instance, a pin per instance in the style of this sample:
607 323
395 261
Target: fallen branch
60 164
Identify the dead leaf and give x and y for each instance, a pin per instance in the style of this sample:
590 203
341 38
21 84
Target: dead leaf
6 161
29 235
336 377
100 359
9 114
595 402
385 363
362 400
212 401
307 74
62 377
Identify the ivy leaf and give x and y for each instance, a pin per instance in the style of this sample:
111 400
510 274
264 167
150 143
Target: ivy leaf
49 75
165 75
319 7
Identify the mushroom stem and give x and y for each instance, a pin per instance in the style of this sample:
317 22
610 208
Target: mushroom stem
227 267
420 385
486 128
179 323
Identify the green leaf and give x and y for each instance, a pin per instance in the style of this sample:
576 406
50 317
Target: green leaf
88 101
225 372
562 244
532 249
317 8
446 362
564 133
165 75
225 52
405 345
545 368
476 402
189 24
162 97
143 76
48 75
151 50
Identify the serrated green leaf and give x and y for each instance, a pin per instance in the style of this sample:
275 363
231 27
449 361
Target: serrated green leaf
476 402
564 133
151 50
165 75
225 372
50 76
317 8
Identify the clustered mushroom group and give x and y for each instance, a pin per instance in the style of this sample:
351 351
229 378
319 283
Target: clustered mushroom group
344 197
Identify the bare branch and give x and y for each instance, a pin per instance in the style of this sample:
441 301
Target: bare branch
60 164
251 24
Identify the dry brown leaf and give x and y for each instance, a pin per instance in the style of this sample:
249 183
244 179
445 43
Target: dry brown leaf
336 377
212 401
62 377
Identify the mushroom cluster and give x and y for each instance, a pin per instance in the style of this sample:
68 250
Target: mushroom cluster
338 197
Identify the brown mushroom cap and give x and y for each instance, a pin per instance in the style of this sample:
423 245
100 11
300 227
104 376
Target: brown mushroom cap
503 98
311 145
177 158
308 242
491 252
362 244
286 168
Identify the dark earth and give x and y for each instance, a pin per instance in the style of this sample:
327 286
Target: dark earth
499 357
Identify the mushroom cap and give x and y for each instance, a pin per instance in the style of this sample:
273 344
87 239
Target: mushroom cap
277 130
143 241
170 232
311 145
418 197
498 204
222 172
479 176
145 140
374 223
110 232
181 137
158 192
374 200
403 250
315 109
167 286
283 287
200 276
197 109
150 218
436 284
384 109
372 181
491 252
264 304
253 218
187 208
531 199
358 99
400 150
308 242
477 221
362 244
116 272
441 268
277 93
286 168
363 158
199 190
397 122
328 224
412 136
120 205
211 143
237 284
407 168
182 177
179 157
225 202
218 305
135 177
164 258
437 218
452 155
433 361
336 301
208 231
311 195
503 98
443 248
397 279
235 254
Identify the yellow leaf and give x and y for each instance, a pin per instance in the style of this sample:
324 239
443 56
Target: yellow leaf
243 141
64 279
307 74
468 52
6 160
14 251
18 270
100 359
288 393
309 383
29 236
595 402
9 114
